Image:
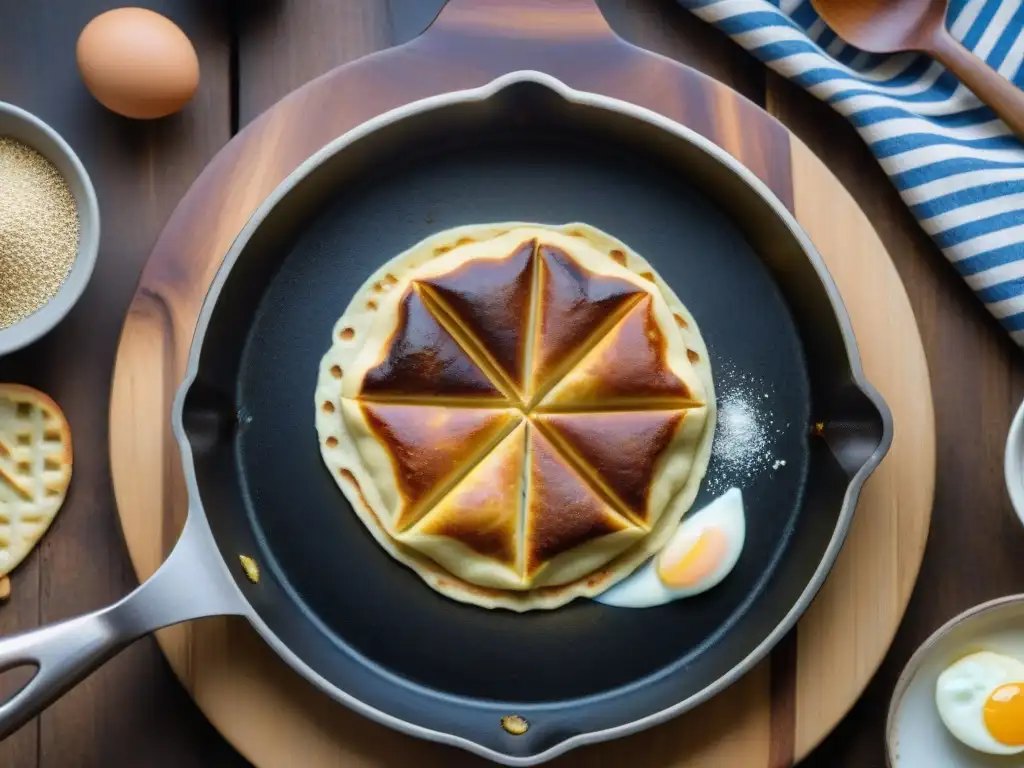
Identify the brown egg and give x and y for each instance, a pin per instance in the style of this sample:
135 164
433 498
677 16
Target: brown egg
137 63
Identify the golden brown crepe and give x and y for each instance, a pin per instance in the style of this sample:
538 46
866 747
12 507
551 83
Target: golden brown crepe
520 413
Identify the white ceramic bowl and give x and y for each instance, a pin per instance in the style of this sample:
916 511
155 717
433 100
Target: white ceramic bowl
18 124
1013 462
915 736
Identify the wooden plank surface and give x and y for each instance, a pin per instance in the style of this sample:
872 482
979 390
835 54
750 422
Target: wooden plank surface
133 712
977 377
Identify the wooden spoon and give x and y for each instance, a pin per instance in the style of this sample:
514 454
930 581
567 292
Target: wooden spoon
891 26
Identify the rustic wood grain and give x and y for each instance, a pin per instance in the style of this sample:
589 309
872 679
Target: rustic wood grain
762 721
665 28
847 631
977 375
118 716
977 383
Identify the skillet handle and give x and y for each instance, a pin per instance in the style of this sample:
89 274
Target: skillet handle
561 20
192 583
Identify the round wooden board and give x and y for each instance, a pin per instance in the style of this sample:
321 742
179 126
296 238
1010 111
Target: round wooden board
777 713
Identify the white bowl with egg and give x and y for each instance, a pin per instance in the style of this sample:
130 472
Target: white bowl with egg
17 124
1013 462
960 699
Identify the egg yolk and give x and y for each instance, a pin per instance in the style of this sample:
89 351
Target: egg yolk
699 562
1004 714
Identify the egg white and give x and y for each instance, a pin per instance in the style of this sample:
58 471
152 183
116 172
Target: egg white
644 588
960 694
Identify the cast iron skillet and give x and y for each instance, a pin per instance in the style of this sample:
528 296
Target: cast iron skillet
330 601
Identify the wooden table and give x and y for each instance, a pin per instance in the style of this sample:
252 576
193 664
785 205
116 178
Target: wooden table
252 52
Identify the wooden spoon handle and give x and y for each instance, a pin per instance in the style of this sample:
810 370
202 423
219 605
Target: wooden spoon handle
1005 98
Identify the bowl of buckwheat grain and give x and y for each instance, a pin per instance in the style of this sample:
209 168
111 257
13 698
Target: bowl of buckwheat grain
49 228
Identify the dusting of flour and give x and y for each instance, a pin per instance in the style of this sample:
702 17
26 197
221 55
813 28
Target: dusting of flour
746 432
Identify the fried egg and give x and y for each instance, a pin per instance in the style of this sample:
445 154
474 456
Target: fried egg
699 555
980 700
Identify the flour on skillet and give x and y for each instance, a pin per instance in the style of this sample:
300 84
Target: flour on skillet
746 432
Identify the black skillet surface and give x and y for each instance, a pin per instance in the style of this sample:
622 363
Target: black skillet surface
368 624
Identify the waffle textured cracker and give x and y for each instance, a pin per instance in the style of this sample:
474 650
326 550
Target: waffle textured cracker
35 469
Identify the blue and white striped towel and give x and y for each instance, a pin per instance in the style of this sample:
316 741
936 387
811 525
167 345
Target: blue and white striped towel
955 164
